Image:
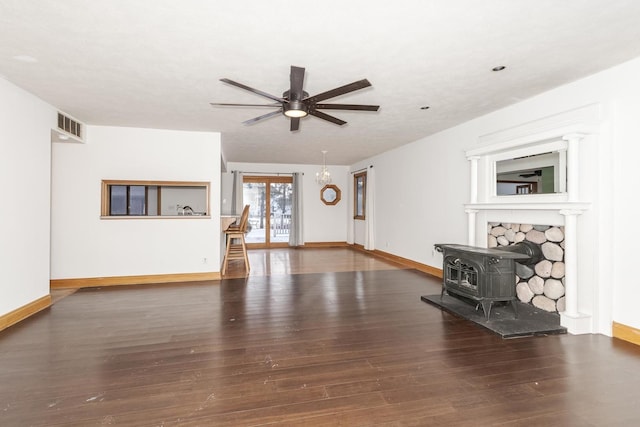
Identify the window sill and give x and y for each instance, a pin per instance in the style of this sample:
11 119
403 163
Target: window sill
157 217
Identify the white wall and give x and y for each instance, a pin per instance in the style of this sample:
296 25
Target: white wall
420 189
624 194
83 245
25 164
424 186
322 223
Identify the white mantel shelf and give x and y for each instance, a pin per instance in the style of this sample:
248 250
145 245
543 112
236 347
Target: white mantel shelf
536 206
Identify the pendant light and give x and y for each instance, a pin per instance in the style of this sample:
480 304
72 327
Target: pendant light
323 177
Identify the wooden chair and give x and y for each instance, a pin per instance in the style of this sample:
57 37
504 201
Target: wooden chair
236 246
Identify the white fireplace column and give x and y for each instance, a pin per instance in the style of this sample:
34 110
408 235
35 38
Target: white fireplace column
571 318
473 198
473 179
471 226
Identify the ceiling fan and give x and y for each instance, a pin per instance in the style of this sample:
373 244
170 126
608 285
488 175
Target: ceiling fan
295 103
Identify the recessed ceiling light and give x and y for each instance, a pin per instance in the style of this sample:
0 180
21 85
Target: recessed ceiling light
498 68
426 107
25 58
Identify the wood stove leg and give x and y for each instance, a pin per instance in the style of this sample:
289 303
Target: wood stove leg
515 307
486 307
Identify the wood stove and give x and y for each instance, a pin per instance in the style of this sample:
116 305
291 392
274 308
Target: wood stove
484 276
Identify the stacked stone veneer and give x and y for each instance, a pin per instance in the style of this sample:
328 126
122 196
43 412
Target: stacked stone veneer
543 283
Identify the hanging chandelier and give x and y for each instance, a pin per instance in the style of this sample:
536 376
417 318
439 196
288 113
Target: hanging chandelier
323 177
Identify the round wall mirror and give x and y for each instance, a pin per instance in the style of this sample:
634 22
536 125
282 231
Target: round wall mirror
330 194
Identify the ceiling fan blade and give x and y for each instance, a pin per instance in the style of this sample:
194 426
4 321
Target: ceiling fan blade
321 115
360 84
262 117
348 107
222 104
295 123
297 79
250 89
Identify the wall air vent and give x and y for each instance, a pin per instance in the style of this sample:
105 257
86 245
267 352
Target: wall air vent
70 126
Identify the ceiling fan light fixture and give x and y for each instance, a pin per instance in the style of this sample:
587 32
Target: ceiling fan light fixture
295 109
295 113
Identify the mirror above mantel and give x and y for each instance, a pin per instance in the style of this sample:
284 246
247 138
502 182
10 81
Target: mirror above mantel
553 159
543 173
532 170
539 170
560 134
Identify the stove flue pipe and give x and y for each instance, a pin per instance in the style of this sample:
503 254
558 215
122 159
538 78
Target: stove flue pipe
526 248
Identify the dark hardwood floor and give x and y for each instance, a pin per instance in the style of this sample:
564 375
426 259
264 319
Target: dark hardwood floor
333 338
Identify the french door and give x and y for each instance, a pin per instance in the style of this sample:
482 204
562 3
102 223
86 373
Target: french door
270 211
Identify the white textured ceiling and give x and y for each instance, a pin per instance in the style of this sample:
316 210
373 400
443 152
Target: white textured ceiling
157 63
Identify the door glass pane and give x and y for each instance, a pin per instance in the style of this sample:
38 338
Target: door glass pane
255 194
280 218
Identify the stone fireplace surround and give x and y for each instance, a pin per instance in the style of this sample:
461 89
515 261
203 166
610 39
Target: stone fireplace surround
564 132
543 284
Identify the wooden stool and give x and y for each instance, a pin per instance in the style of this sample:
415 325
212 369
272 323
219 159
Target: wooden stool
236 246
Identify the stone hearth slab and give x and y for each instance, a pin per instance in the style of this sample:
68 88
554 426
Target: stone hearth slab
530 320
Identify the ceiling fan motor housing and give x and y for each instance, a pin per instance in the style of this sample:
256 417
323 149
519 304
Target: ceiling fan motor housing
286 93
